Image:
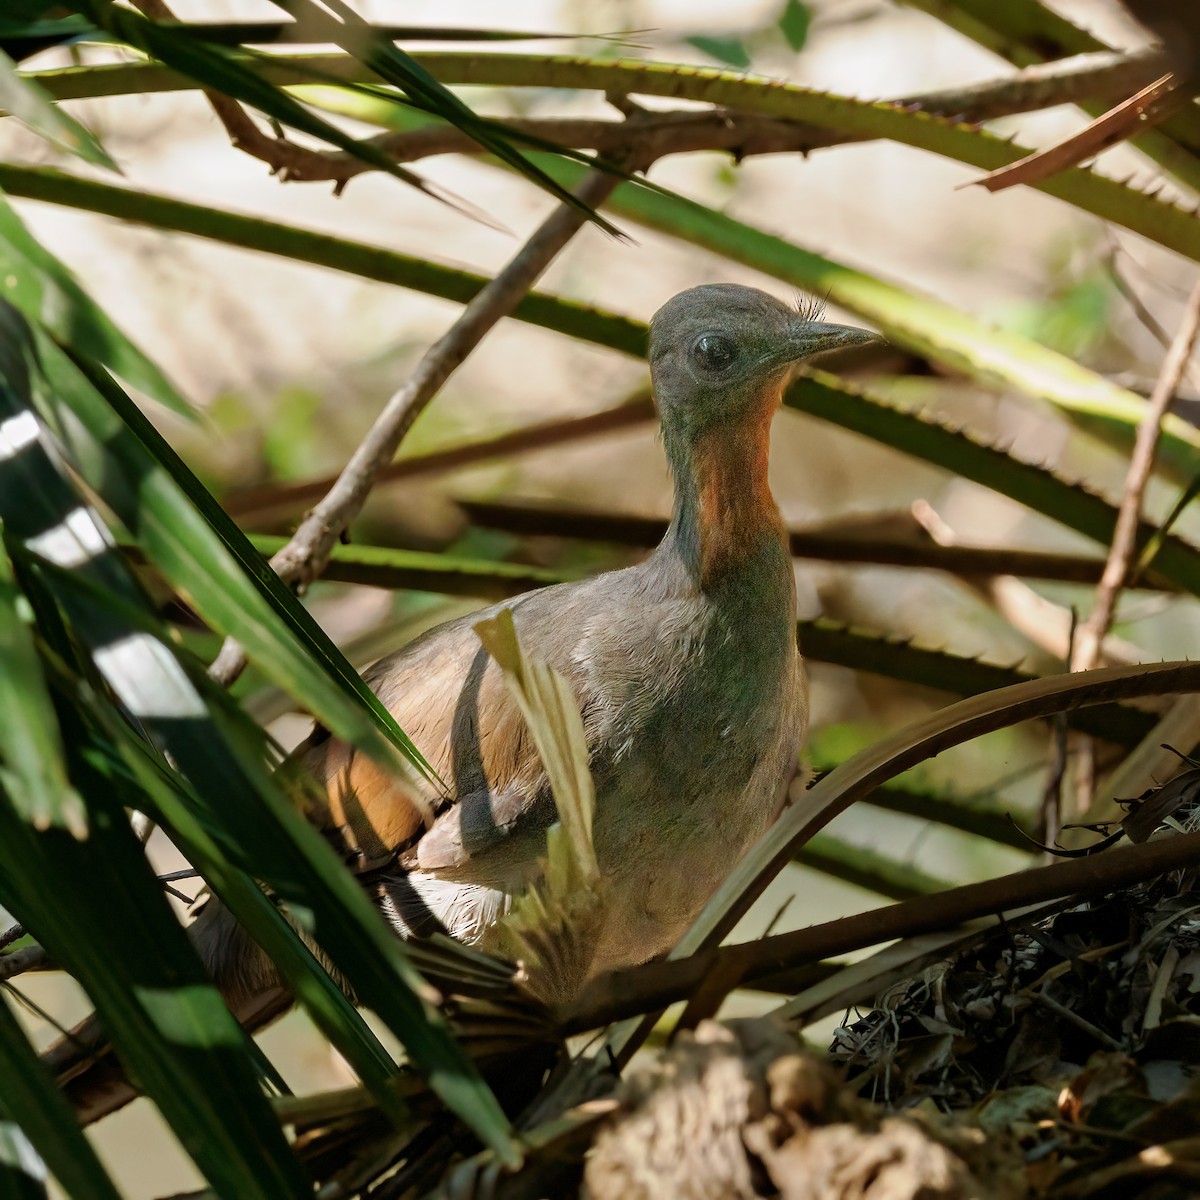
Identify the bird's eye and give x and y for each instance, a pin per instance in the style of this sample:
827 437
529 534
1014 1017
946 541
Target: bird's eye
714 352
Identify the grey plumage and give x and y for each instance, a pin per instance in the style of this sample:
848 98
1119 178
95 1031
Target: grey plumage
685 668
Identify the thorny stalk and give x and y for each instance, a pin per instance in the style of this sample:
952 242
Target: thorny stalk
1074 80
1085 77
832 541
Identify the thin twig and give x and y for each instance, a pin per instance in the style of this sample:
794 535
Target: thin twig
1052 806
1061 1010
1131 296
287 159
306 554
1140 309
1046 624
1120 555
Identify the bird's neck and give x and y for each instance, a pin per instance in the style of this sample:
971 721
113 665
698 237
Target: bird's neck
724 510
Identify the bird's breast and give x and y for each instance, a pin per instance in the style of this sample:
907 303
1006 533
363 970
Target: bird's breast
698 740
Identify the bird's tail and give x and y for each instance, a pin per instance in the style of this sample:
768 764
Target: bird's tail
89 1072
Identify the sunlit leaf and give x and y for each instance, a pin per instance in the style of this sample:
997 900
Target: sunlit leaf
187 535
42 287
197 729
31 753
22 1171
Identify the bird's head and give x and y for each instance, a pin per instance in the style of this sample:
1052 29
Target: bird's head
721 351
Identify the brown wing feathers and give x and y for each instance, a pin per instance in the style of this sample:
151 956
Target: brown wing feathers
449 698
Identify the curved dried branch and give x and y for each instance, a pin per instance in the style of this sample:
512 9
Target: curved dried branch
915 743
652 986
286 159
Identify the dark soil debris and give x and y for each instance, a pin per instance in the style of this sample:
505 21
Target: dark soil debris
1079 1035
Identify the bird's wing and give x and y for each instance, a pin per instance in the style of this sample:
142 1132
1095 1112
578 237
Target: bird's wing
449 698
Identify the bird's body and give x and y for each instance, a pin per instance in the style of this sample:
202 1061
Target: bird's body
685 668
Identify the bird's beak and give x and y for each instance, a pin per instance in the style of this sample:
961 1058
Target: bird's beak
815 337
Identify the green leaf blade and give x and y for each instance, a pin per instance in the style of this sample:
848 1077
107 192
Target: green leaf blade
42 287
22 98
31 754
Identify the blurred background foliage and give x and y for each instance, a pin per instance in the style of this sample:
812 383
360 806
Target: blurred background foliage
262 371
